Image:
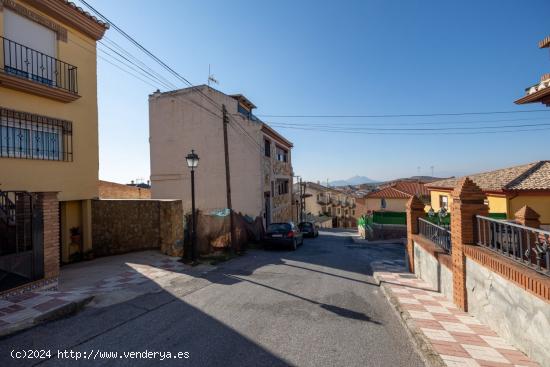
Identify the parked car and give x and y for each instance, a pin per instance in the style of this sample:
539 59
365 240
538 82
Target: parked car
309 229
284 234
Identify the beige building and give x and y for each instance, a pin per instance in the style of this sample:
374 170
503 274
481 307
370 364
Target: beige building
49 119
259 157
325 201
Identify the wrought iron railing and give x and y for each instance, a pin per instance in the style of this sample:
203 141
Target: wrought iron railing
525 245
439 235
24 62
28 136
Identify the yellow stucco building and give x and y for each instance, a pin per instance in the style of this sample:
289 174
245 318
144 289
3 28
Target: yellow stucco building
48 107
507 190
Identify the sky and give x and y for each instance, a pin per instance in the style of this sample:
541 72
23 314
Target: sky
365 57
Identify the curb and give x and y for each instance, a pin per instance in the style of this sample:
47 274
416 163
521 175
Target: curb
54 314
423 345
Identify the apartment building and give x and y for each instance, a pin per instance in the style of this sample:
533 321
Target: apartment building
259 158
326 201
48 132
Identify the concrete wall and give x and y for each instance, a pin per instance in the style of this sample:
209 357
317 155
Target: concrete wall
176 125
120 226
516 315
428 268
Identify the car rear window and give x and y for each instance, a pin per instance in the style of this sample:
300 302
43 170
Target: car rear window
278 227
306 225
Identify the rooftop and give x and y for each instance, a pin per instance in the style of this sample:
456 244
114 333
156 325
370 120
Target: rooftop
533 176
388 192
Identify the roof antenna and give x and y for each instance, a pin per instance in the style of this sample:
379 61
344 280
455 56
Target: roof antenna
211 77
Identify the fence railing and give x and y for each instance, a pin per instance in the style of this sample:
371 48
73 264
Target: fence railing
24 62
525 245
439 235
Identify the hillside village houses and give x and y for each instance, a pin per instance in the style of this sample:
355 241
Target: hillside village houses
48 136
322 202
260 159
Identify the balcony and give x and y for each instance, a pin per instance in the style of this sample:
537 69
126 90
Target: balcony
34 72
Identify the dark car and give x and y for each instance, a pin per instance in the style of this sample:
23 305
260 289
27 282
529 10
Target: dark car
284 234
309 229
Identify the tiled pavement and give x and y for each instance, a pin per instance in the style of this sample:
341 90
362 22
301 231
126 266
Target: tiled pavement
459 338
21 310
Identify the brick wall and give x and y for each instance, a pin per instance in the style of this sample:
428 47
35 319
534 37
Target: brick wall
112 190
120 226
49 205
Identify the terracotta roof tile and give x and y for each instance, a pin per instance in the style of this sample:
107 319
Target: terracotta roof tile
531 176
388 193
411 187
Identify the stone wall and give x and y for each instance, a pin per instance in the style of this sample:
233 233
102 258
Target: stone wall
515 314
113 190
433 266
386 232
120 226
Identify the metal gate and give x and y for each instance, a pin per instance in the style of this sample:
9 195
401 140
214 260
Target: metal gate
21 244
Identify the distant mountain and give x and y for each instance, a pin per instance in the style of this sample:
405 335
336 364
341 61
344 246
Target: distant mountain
355 180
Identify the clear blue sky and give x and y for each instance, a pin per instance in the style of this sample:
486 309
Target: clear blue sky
346 57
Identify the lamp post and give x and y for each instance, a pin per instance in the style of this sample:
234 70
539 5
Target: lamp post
192 162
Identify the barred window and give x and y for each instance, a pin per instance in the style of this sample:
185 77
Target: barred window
28 136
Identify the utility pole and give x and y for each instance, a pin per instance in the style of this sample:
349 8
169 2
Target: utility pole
228 178
301 201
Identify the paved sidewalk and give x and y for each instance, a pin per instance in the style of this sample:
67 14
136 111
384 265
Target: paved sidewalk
450 336
127 280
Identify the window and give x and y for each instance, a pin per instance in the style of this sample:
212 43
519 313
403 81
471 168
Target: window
353 212
443 201
242 110
267 148
383 203
28 136
31 49
282 154
282 187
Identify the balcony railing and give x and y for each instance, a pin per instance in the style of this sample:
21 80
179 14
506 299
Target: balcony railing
439 235
525 245
24 62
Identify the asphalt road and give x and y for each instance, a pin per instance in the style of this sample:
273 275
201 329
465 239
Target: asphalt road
317 306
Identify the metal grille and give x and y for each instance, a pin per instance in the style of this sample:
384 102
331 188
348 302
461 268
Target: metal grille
439 235
24 62
525 245
28 136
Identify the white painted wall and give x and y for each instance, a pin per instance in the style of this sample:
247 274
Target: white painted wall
428 269
513 313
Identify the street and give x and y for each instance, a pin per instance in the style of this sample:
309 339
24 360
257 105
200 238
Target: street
318 306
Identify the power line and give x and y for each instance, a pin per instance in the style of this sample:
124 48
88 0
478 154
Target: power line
434 128
409 123
414 133
403 115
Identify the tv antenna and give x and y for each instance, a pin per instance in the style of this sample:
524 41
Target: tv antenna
211 77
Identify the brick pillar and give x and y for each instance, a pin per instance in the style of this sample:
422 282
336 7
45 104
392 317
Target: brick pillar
48 204
468 201
415 210
526 216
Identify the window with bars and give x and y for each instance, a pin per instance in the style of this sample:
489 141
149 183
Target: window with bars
29 136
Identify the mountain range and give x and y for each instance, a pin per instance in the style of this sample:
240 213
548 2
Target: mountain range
355 180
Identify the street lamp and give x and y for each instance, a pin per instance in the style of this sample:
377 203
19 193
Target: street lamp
192 162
